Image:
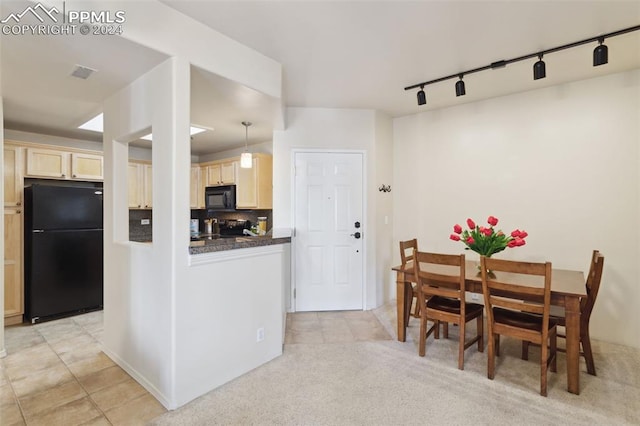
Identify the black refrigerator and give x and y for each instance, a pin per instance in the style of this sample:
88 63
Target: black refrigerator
63 251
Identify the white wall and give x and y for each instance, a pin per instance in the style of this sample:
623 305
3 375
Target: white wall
140 279
385 279
259 148
222 300
561 163
3 351
337 129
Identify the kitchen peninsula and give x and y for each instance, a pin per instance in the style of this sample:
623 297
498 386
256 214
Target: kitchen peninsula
205 245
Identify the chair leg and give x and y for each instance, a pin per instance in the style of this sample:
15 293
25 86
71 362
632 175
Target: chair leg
445 330
423 335
554 351
491 362
480 328
588 354
544 365
525 350
436 332
461 345
497 343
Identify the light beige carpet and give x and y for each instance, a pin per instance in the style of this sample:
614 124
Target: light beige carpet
385 382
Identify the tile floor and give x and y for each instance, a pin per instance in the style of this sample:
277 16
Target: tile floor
55 373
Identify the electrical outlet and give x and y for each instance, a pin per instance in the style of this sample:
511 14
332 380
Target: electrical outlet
260 335
144 222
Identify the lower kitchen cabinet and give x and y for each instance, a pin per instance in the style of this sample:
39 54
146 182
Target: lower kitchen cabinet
13 287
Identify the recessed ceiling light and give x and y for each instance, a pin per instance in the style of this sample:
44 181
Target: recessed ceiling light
95 124
193 129
82 72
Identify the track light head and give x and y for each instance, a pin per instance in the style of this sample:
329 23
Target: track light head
460 91
422 98
539 69
600 53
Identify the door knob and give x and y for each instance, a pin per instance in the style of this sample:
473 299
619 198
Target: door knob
356 235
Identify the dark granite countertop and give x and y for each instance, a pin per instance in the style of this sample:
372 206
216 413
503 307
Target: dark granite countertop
205 245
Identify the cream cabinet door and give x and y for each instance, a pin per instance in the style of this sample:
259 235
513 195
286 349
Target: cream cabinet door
254 187
195 188
87 166
13 288
47 163
228 173
213 175
247 185
148 185
13 183
135 186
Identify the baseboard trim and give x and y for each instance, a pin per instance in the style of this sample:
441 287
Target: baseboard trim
140 379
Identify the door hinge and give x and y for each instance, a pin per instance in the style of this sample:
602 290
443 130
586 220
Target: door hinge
294 293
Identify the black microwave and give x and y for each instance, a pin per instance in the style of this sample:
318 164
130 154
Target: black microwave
220 197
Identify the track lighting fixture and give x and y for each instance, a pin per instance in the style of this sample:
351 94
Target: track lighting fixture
460 87
600 53
539 69
600 57
422 98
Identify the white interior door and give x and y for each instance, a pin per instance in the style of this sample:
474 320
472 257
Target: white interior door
328 215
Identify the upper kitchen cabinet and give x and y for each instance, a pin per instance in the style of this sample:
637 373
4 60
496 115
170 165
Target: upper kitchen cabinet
58 164
140 179
254 188
221 173
13 171
87 166
196 194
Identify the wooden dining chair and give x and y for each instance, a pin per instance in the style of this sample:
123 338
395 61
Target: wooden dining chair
586 307
518 306
441 295
406 255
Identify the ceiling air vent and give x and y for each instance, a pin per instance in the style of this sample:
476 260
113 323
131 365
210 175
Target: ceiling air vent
82 72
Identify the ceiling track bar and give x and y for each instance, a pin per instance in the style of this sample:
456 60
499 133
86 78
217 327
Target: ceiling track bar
504 63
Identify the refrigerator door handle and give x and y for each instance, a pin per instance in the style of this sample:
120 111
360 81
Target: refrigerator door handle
38 230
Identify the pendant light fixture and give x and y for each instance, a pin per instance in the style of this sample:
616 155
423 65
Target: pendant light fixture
246 161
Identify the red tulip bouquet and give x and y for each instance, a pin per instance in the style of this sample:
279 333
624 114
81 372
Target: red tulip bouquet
485 240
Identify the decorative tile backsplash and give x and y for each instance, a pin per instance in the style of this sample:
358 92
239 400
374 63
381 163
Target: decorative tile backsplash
137 231
143 233
250 215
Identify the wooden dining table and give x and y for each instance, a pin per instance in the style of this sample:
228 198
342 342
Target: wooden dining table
567 288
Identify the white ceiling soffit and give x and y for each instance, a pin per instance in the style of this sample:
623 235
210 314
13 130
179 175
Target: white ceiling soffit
361 54
38 90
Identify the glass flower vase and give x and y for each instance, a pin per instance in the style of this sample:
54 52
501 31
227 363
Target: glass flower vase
490 272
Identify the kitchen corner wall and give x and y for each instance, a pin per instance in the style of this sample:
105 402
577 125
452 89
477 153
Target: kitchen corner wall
561 162
3 351
343 129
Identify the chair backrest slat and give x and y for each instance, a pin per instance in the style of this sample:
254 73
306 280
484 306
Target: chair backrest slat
594 278
437 283
517 296
406 250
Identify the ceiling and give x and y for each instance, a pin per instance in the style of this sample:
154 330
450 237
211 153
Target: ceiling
339 54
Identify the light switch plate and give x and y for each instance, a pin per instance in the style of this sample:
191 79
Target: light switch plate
144 221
